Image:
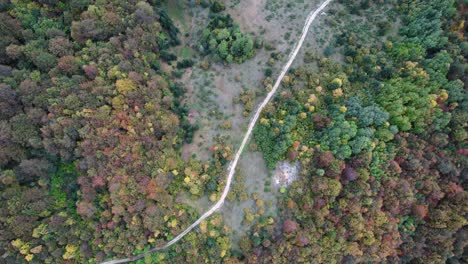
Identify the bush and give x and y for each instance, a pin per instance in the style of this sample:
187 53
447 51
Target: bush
185 63
223 38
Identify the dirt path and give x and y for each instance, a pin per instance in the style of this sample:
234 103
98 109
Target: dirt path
233 165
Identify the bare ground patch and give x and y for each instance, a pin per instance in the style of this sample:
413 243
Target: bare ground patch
253 166
285 173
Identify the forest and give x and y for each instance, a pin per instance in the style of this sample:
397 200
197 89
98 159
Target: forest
93 122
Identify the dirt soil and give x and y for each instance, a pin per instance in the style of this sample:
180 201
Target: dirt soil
285 173
253 166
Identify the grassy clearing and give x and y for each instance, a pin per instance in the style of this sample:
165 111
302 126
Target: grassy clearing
175 9
186 53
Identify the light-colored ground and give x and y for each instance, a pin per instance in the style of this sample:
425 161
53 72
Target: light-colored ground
253 166
273 19
200 205
285 173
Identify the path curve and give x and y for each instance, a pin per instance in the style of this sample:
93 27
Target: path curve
232 166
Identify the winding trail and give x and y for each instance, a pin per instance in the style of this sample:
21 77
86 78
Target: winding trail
232 166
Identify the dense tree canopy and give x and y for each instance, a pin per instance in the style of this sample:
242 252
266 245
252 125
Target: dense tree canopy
90 129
